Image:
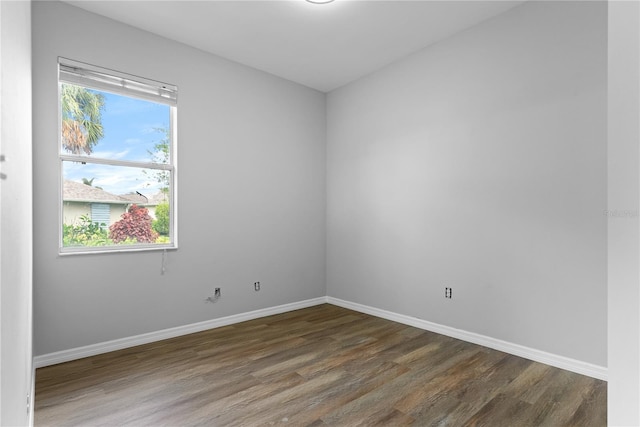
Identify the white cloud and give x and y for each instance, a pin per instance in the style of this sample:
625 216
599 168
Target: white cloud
113 179
117 155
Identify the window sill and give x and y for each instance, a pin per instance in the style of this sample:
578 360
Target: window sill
67 251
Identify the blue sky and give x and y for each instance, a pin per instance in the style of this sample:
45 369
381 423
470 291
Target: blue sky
130 132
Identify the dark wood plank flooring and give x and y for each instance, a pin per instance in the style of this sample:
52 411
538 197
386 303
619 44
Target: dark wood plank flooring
324 365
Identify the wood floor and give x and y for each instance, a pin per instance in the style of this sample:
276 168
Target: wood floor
319 366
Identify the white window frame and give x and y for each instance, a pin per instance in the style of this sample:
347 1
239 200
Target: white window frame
106 80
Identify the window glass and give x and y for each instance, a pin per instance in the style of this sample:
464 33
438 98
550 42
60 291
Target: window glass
117 167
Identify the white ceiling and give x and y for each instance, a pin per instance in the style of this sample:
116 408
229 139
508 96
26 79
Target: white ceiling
320 46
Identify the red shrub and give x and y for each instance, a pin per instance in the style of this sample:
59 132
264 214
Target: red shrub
134 224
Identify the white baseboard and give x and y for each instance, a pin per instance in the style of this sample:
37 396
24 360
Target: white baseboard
119 344
562 362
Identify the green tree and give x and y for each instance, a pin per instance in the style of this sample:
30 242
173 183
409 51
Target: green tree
160 154
89 182
85 233
81 118
161 224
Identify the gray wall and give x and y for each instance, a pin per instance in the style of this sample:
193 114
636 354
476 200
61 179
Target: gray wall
624 231
480 164
251 191
16 373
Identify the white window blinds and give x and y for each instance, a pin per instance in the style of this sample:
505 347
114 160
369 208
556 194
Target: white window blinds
82 74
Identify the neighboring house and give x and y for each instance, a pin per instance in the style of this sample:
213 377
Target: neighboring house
150 202
102 207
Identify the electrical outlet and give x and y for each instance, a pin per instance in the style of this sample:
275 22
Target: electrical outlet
448 293
256 286
216 296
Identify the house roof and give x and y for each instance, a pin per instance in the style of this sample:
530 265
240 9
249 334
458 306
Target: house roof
159 197
145 199
79 192
139 199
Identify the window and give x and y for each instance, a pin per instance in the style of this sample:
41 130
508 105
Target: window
100 214
117 145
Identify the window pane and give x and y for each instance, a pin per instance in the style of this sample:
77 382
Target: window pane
109 126
106 205
116 141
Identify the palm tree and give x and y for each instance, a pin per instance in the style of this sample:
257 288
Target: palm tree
81 118
89 182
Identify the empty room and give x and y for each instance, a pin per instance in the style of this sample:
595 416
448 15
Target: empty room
320 213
